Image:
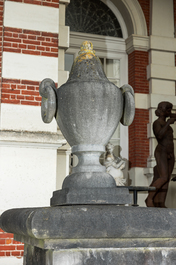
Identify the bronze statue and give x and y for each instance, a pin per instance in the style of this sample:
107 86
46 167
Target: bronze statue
164 155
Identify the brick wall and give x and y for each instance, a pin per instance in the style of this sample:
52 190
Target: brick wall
24 92
138 141
137 71
174 2
18 40
30 42
145 5
10 247
1 38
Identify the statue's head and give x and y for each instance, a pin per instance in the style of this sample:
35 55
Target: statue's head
164 108
109 148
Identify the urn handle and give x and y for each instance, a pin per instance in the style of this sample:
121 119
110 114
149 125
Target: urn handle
128 105
47 90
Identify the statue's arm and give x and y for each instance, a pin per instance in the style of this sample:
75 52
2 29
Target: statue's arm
160 131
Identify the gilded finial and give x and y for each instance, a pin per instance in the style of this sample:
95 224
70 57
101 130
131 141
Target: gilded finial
86 47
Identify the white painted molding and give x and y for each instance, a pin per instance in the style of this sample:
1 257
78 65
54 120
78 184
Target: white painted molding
11 260
31 139
135 42
100 43
64 2
163 43
33 17
24 118
137 16
141 101
118 16
161 72
160 86
155 99
62 77
64 33
61 14
29 67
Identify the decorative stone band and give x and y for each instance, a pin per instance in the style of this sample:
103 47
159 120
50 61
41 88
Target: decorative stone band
88 156
95 221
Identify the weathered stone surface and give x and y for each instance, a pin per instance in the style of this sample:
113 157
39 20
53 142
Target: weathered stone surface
91 196
95 221
154 256
97 242
109 256
88 109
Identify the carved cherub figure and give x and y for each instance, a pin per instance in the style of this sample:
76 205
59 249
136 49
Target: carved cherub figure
114 165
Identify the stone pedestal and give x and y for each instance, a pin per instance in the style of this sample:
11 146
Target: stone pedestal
94 234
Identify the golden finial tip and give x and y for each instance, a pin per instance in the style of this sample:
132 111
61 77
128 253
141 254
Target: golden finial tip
86 46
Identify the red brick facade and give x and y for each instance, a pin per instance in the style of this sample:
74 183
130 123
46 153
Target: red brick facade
17 40
137 63
145 5
10 247
30 42
175 13
138 141
137 71
1 39
24 92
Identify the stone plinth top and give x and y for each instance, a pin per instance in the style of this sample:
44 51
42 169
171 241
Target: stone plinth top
95 221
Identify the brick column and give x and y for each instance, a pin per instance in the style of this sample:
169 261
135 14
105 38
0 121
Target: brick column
138 60
138 141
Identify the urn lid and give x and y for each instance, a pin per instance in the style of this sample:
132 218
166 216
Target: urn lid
87 66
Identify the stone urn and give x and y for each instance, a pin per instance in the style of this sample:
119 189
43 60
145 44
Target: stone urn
88 109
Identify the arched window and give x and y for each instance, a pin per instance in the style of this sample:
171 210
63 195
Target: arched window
92 16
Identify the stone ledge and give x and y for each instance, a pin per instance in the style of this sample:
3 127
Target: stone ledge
99 221
28 138
97 243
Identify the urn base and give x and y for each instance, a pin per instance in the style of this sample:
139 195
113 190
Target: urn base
69 196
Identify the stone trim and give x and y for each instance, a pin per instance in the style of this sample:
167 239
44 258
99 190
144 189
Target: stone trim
136 42
162 43
31 139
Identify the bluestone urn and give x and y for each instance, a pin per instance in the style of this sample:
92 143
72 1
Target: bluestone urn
87 108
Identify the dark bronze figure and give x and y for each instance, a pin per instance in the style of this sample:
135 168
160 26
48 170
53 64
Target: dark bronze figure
164 155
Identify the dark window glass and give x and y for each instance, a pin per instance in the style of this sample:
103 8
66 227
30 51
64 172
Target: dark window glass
92 16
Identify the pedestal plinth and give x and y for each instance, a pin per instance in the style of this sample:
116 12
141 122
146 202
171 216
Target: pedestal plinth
94 234
86 196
